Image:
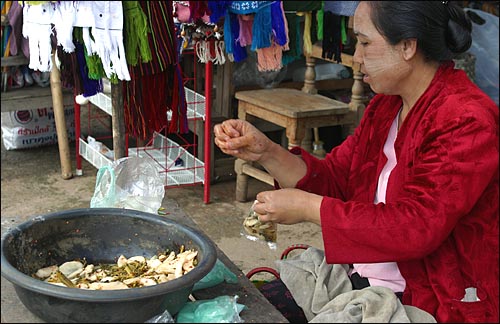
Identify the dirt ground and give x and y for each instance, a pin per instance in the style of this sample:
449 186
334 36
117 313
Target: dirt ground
32 184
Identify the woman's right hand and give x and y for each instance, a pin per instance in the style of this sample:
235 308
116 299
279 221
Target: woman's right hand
241 139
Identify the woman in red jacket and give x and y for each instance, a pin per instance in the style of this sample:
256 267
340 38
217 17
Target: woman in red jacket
411 198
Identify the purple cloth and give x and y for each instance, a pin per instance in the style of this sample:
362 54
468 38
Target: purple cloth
17 41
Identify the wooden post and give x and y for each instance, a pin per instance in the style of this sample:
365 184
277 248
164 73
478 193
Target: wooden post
118 120
60 120
310 76
358 99
207 137
309 87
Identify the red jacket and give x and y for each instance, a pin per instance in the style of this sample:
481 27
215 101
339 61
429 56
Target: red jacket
440 219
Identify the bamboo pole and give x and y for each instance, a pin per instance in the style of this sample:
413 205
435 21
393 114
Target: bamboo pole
60 119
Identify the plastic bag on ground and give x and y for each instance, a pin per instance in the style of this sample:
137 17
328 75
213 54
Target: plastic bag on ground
131 183
164 317
222 309
217 275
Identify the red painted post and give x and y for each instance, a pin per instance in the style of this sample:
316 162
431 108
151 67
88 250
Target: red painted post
208 130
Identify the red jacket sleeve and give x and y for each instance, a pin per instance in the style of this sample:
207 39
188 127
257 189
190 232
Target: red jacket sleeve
443 168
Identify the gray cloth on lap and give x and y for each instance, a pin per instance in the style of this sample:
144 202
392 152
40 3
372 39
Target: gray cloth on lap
324 292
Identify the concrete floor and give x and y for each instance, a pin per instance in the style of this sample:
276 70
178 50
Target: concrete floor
31 185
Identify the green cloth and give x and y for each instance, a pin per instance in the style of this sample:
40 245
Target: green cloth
343 29
319 18
135 33
294 39
94 63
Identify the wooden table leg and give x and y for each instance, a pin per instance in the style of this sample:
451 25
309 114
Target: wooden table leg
241 181
241 178
295 134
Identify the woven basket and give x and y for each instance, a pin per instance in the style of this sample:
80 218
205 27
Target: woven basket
467 62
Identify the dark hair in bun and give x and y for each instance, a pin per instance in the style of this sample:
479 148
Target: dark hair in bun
442 28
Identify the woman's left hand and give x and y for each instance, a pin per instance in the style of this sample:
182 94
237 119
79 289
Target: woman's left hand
288 206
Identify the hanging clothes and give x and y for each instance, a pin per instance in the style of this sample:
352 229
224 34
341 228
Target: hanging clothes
70 77
300 40
82 25
156 86
89 87
217 10
37 28
63 20
335 21
18 44
85 19
199 11
108 36
195 29
262 26
135 31
74 68
270 58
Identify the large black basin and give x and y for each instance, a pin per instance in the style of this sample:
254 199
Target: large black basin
100 235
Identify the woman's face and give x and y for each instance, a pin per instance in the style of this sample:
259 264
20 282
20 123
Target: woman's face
382 64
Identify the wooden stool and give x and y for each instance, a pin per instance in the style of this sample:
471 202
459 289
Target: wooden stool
292 109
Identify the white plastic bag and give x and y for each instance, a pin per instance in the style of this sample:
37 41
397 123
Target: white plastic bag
131 183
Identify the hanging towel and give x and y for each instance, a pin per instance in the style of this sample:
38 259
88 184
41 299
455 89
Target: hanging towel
63 20
108 36
37 29
84 17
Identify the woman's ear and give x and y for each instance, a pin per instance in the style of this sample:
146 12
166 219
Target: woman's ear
409 48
